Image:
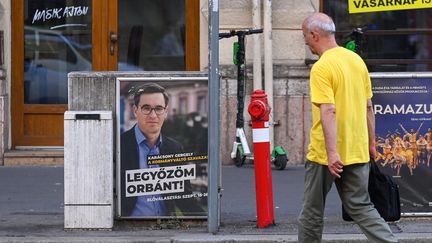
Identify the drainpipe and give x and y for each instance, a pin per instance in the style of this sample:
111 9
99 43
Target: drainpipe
3 115
3 99
257 69
268 64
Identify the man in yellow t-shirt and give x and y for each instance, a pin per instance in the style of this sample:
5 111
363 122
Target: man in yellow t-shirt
342 137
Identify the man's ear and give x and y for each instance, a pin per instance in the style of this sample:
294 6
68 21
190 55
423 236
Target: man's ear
315 35
134 109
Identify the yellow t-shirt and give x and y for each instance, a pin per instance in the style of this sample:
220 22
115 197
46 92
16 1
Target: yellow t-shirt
341 77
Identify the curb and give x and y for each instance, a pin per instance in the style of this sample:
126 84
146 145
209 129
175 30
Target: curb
210 238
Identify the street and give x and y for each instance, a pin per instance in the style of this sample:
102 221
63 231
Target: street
31 200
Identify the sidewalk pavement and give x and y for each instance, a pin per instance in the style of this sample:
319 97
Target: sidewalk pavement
31 210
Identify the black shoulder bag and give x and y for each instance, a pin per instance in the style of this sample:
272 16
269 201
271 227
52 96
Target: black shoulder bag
384 194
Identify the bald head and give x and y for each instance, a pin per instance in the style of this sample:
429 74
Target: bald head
318 32
320 23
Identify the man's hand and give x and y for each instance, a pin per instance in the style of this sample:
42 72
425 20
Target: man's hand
372 151
371 129
328 122
335 165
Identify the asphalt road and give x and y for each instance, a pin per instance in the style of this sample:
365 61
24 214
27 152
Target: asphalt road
239 202
32 196
31 205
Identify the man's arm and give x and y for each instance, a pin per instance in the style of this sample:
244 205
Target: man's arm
328 122
371 128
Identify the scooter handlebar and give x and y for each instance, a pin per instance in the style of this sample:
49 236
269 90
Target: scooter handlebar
254 31
239 33
227 35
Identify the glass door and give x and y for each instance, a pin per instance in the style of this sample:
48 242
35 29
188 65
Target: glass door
57 40
158 35
152 35
51 38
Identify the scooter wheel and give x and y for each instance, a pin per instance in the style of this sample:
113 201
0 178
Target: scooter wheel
239 159
280 161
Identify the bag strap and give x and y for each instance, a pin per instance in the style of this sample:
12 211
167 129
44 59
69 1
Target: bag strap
375 172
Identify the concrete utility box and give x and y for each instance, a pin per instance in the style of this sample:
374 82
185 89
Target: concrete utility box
88 170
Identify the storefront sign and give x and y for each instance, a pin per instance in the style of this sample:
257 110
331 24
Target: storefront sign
59 13
162 152
403 115
364 6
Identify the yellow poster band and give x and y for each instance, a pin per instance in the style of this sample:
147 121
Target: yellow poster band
364 6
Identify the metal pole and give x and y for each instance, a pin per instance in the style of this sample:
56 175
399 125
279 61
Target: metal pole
268 64
214 119
257 65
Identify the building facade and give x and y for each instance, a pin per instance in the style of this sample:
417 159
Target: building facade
43 40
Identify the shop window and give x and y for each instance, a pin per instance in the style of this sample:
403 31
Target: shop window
392 40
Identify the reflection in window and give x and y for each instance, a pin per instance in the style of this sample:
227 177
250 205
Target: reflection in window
392 40
57 40
152 35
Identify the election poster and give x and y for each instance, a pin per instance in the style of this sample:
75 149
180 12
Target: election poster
403 116
162 146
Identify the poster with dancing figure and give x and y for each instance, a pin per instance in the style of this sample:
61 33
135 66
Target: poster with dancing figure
403 116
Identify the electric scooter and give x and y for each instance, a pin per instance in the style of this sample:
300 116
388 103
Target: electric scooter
355 40
241 149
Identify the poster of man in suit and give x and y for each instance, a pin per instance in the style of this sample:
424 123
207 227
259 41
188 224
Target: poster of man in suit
163 148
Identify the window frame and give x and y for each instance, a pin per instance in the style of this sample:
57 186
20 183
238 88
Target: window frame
396 32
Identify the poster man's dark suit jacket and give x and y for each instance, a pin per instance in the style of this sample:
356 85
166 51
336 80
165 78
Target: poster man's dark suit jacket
130 161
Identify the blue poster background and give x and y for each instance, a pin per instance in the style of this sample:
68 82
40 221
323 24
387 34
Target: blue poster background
403 115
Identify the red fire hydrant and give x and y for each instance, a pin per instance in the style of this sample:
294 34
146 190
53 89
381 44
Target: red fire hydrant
259 111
